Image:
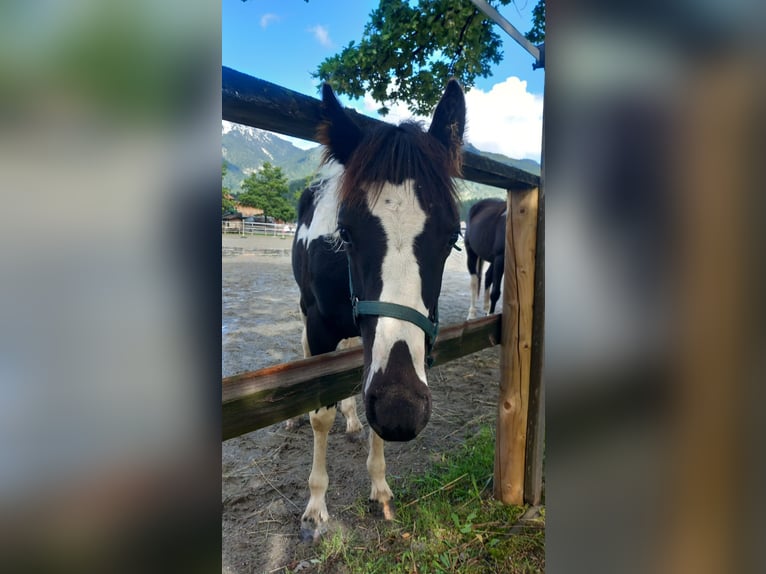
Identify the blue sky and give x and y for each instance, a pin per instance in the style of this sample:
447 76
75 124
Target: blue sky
284 41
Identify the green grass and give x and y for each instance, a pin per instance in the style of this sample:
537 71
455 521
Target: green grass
446 521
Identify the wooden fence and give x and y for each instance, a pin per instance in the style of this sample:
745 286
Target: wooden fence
255 228
261 398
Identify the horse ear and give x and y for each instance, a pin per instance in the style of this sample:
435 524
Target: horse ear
449 118
337 131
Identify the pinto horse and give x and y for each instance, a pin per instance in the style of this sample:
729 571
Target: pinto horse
368 257
485 241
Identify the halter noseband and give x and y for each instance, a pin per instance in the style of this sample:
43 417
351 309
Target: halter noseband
395 311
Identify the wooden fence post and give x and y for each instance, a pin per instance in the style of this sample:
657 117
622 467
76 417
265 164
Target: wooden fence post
533 477
518 300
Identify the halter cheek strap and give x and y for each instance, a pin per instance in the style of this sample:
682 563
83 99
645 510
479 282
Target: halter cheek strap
395 311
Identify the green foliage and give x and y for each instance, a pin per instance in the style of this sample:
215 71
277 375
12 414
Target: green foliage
268 190
227 203
537 33
296 188
420 46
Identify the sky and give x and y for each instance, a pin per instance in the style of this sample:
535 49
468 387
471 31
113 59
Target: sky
284 41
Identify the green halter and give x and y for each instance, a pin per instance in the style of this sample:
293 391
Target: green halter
395 311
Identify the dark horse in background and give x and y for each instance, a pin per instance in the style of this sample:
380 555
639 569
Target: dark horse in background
378 233
485 241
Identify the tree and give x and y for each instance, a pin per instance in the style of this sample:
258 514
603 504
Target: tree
408 53
537 33
296 188
267 189
227 202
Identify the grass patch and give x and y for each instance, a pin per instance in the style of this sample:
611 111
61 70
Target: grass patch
446 522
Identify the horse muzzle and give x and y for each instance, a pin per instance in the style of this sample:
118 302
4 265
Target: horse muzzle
397 402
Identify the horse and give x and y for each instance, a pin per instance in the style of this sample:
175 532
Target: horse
368 257
485 241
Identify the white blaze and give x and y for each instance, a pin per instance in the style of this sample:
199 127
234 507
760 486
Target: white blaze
403 220
325 219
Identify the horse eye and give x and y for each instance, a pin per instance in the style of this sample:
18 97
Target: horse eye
345 235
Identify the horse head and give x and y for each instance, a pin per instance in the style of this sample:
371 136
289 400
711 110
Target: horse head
397 222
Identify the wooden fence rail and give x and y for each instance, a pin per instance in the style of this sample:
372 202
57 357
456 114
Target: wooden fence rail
261 398
255 102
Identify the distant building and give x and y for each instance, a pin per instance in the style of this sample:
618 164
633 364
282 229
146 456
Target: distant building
246 211
234 221
231 222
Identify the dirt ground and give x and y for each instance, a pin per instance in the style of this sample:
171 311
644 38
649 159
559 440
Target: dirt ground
265 473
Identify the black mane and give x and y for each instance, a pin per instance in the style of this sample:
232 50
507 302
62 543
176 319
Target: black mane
389 153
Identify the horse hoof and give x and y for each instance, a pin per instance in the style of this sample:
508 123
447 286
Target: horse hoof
310 535
312 532
384 510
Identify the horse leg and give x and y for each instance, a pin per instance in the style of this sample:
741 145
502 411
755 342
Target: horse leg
381 497
292 423
315 515
348 405
353 424
488 286
497 280
474 269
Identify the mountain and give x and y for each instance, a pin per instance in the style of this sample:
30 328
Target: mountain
246 149
528 165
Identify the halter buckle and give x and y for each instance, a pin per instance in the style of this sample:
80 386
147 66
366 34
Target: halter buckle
354 307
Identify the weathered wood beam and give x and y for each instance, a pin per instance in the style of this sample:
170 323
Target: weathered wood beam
515 357
489 172
254 102
492 13
261 398
533 472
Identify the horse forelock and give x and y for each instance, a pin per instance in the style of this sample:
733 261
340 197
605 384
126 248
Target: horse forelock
394 154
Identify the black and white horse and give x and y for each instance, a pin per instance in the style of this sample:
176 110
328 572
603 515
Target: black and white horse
368 257
485 241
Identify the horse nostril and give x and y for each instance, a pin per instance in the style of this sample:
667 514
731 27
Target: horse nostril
397 412
397 402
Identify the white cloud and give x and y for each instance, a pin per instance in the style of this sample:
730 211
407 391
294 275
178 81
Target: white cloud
397 112
267 19
322 35
507 119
